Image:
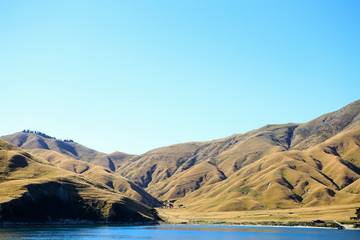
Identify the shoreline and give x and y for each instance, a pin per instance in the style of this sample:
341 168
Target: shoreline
267 224
326 225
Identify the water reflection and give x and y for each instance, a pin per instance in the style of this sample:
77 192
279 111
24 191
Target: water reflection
175 232
228 229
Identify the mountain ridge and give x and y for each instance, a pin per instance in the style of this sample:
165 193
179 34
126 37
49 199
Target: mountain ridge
275 166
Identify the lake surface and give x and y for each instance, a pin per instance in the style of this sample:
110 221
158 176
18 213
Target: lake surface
176 232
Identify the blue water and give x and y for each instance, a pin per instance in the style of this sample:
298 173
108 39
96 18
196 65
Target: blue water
176 232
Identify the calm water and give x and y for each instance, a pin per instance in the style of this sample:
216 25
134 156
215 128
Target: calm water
177 232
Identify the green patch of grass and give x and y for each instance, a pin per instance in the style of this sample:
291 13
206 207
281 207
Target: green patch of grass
244 190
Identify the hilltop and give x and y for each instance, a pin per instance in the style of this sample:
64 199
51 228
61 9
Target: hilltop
37 140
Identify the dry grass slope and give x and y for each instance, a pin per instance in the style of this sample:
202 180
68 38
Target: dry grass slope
274 167
33 190
97 173
70 149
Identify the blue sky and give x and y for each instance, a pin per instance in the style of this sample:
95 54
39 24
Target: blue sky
136 75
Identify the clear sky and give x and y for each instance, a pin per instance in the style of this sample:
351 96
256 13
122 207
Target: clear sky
136 75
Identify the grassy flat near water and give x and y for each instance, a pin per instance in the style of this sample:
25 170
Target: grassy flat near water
339 213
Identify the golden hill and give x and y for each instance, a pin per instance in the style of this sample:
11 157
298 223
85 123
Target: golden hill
277 166
321 175
35 141
33 190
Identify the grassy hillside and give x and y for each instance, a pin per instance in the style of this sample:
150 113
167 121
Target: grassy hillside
277 166
326 126
97 173
318 176
32 140
33 190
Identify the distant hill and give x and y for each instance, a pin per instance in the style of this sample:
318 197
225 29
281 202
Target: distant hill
32 140
277 166
38 140
112 161
34 191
